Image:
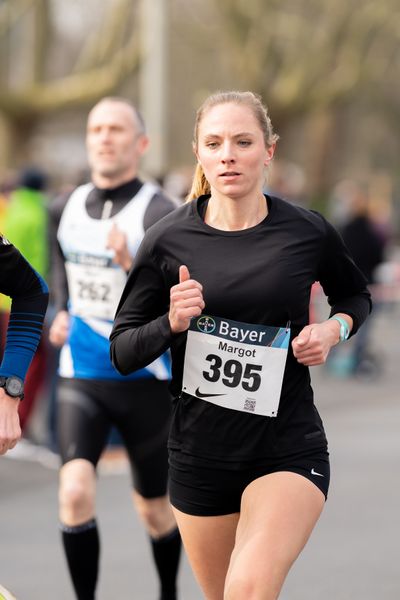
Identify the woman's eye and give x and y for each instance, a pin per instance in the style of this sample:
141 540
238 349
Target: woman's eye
211 145
244 143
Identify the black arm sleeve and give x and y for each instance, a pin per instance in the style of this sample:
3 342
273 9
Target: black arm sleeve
58 275
343 283
159 206
140 334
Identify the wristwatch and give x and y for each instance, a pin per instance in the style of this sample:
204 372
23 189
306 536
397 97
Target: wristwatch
13 385
344 331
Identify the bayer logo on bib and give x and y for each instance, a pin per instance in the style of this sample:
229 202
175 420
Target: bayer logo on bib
206 324
236 365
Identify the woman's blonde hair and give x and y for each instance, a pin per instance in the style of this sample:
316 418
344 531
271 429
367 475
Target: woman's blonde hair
200 185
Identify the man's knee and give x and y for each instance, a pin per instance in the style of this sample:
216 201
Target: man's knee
77 491
155 513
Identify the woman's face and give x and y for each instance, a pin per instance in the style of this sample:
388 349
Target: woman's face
231 150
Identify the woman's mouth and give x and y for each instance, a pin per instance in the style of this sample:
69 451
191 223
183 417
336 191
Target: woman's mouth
230 174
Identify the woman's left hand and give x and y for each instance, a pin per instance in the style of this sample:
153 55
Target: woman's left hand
311 347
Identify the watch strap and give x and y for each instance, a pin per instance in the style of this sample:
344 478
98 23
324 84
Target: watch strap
5 383
344 331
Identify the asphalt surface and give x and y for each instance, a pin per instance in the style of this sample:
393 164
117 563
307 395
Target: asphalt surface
353 553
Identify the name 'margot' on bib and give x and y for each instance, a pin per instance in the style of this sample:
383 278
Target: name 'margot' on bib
236 365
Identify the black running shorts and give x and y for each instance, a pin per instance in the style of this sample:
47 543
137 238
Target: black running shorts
208 491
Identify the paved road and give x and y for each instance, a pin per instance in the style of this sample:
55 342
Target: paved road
352 555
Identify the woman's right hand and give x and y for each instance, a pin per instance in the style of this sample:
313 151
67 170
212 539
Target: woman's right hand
186 301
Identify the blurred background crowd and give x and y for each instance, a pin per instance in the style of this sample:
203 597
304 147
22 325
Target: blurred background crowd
326 71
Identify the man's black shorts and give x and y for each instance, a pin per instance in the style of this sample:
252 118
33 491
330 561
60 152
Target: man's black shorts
140 410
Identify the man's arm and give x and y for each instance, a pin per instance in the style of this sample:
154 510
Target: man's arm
58 276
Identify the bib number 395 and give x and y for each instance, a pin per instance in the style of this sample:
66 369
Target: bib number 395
232 373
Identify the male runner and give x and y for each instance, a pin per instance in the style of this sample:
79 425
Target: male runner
95 237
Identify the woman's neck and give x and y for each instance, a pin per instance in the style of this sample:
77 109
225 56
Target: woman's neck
229 214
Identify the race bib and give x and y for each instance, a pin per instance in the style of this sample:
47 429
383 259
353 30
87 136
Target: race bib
94 290
236 365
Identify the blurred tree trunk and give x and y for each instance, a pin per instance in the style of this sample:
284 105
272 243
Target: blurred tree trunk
153 82
107 56
320 135
5 142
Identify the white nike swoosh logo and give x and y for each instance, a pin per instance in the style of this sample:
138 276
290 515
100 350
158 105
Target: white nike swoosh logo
313 472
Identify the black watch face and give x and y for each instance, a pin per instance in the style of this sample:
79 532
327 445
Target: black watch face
14 386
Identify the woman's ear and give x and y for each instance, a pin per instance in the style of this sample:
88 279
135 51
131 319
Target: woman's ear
269 155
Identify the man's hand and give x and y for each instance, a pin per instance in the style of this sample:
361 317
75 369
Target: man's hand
186 301
10 430
59 329
117 241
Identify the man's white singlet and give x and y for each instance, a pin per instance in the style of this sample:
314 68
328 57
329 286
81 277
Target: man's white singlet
95 284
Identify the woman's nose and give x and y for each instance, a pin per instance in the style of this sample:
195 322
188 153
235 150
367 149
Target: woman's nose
227 154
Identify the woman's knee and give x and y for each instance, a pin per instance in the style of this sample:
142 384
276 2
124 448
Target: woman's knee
252 586
257 573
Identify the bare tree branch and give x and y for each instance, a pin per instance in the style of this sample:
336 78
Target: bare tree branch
311 53
111 55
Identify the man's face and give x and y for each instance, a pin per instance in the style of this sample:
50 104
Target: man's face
114 143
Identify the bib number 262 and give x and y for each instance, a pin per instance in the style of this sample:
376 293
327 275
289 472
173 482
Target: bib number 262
233 373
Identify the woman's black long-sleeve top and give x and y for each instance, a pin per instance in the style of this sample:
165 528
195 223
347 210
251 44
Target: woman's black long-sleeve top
261 275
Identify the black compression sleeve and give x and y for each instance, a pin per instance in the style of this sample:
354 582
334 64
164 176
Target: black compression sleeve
58 275
158 208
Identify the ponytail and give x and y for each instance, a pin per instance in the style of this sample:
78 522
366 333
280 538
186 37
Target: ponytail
200 185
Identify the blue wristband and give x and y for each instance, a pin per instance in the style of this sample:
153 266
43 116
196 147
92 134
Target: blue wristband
344 331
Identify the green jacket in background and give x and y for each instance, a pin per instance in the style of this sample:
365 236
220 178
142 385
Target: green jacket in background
25 225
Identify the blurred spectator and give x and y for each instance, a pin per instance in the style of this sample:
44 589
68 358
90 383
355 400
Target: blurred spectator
287 180
25 224
367 245
365 242
3 209
177 183
7 185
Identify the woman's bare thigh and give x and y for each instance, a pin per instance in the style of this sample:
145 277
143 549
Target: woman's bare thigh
278 514
208 542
